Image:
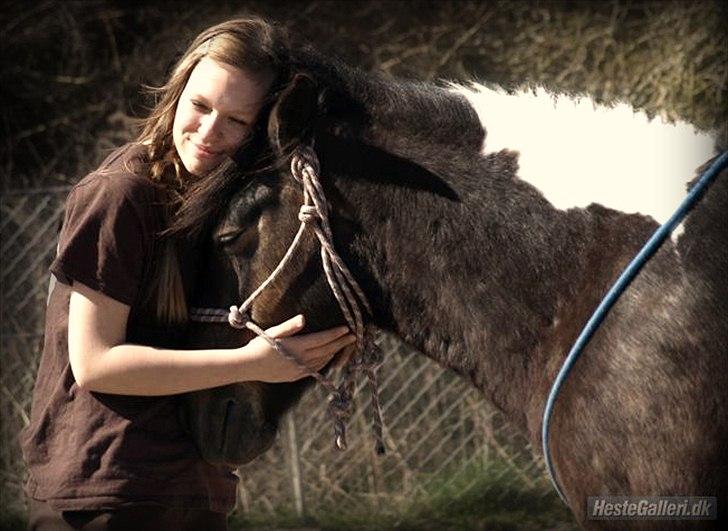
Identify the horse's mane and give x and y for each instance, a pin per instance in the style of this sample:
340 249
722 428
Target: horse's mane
382 110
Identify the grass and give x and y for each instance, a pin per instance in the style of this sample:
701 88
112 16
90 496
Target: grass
488 497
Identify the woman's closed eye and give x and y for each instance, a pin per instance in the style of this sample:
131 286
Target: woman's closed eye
200 106
204 108
238 121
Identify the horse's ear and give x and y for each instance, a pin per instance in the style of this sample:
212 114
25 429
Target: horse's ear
293 115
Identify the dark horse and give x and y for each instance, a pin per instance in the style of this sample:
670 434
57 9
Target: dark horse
478 269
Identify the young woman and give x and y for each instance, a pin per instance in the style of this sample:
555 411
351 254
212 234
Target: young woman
104 448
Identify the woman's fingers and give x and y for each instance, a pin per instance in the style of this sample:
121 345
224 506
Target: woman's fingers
335 346
287 328
314 350
343 356
324 337
323 354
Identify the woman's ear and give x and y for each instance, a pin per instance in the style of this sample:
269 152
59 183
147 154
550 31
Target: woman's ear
294 113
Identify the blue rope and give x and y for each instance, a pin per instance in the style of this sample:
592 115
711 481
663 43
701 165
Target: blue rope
611 297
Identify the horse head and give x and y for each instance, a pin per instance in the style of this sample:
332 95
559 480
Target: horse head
233 424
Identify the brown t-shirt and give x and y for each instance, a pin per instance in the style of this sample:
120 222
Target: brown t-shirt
87 450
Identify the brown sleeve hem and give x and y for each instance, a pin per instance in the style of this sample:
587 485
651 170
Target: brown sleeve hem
66 274
107 235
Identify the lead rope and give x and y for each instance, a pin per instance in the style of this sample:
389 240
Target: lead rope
314 213
625 278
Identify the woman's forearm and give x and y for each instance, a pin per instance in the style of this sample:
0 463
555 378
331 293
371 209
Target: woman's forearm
102 361
147 371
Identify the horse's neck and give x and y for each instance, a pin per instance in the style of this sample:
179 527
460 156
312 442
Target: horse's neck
495 285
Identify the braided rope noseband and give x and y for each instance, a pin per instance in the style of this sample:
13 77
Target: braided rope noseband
314 213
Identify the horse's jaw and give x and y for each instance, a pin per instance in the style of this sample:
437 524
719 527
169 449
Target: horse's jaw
458 319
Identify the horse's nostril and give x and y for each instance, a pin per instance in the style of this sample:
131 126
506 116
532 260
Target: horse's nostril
227 422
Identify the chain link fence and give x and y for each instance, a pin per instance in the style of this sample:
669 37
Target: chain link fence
435 422
28 228
436 426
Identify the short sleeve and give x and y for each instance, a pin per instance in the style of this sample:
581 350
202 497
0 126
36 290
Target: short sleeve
107 234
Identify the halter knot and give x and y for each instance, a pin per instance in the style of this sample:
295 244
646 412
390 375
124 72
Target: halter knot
308 214
236 318
340 407
369 358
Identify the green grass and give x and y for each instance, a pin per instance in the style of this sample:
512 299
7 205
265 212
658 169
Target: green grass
490 497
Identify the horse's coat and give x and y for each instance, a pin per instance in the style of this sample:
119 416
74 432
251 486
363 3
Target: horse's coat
474 267
577 152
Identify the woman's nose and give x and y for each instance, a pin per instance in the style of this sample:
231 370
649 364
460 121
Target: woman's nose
209 125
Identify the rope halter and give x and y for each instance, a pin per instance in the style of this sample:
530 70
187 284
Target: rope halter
314 214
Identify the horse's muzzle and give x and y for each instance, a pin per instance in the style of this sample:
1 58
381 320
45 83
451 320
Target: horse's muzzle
227 423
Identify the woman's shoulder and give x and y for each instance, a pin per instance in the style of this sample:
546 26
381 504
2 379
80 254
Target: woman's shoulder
121 175
129 156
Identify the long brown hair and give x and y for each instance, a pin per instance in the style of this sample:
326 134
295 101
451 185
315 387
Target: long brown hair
251 44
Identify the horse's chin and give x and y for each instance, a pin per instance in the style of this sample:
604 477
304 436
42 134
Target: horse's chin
227 424
237 450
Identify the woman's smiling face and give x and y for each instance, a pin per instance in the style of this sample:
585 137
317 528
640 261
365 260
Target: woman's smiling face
215 113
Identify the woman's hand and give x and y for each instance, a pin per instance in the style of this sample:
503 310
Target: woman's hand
315 350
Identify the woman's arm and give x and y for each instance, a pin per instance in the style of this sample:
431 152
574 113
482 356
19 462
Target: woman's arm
102 362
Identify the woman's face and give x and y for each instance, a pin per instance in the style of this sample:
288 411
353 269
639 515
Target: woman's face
215 113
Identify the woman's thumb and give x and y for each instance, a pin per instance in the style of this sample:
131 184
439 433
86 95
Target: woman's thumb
287 328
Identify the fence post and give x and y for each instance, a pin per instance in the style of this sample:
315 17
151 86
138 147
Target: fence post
243 501
295 464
